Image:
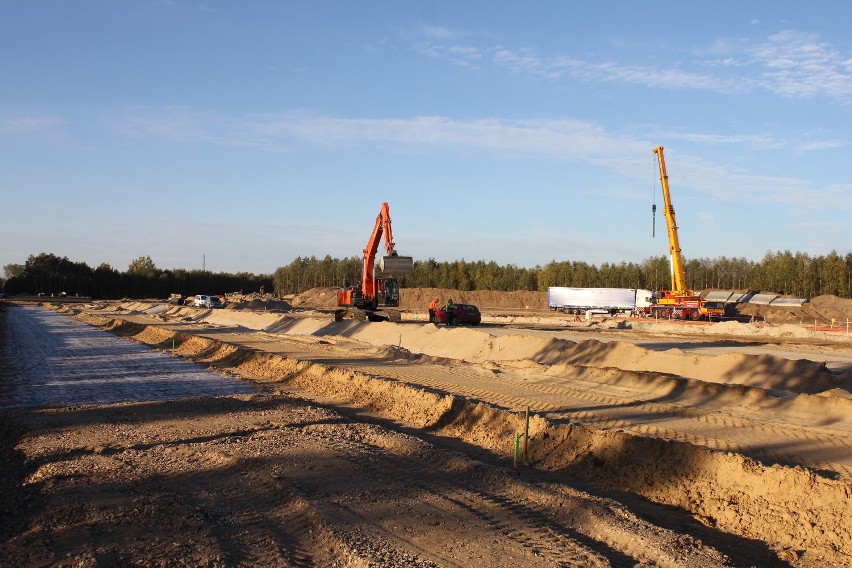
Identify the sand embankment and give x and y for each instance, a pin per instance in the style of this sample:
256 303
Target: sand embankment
790 507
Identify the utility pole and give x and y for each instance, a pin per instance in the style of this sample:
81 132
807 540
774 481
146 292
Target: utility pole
203 262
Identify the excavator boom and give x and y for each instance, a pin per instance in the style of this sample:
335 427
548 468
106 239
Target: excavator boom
391 262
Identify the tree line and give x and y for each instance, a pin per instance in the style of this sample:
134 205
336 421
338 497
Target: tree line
52 275
797 274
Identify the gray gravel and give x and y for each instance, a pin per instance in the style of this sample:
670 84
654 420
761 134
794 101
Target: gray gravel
56 361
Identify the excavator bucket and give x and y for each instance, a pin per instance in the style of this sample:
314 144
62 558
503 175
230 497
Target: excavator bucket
396 264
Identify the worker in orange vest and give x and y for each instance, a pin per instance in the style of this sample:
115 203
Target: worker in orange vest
433 305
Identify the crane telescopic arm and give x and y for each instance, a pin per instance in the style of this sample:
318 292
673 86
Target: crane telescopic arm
677 270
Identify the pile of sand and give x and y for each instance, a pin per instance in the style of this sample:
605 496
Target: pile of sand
419 298
256 302
316 298
478 346
819 311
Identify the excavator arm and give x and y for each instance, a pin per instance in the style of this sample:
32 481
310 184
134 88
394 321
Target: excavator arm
382 227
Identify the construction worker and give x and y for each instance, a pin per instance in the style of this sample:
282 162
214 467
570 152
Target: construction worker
433 305
451 311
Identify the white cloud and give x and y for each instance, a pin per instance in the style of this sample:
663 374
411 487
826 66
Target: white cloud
439 33
791 64
820 145
562 140
752 140
21 124
798 65
526 61
461 55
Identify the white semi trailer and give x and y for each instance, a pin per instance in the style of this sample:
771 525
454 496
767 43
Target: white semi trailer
597 300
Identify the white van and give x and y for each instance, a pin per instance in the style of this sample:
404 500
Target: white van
204 301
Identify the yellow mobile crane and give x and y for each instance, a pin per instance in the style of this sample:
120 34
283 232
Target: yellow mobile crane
679 302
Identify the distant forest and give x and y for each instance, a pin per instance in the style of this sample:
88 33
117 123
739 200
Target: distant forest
53 275
796 274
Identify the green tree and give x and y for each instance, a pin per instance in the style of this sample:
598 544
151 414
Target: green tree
142 266
834 275
13 271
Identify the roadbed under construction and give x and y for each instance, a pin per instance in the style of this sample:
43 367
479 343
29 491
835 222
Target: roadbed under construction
733 458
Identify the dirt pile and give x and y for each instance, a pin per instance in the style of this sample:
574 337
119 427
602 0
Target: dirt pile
419 298
316 298
257 302
819 311
478 345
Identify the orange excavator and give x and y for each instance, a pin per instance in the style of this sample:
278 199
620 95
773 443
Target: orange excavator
365 302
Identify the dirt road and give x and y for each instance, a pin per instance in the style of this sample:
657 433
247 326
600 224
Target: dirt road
382 444
60 362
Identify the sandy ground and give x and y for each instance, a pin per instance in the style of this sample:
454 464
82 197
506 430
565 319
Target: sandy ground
653 444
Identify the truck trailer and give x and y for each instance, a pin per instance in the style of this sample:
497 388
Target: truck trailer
611 301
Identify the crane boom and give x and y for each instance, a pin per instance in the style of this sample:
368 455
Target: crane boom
679 302
678 273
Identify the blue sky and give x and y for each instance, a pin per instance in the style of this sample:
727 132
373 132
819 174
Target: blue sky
244 134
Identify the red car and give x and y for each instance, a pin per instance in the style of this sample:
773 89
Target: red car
464 314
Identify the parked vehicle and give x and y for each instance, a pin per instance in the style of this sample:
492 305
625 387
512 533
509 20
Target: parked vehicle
464 314
611 301
205 301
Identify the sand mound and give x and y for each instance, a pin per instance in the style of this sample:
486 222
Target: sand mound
256 302
818 311
419 298
761 371
316 298
790 507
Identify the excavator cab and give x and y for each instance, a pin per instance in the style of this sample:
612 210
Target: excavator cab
387 289
387 292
